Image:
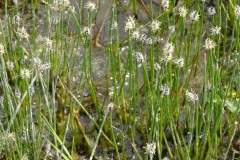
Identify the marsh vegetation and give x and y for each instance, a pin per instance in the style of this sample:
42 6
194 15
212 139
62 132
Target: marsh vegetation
119 79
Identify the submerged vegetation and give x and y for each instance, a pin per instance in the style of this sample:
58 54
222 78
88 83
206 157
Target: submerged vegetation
119 79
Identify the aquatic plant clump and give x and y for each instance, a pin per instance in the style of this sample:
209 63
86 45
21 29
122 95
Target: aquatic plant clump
112 79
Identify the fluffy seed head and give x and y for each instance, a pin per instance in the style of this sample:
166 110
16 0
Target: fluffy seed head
25 157
150 148
209 44
1 99
157 39
143 38
165 5
157 67
90 5
171 29
2 50
130 24
47 42
43 67
22 32
114 25
164 89
182 11
155 25
15 2
149 41
168 51
179 62
64 3
10 65
25 73
16 19
139 56
135 35
191 96
87 32
108 108
211 11
194 16
37 61
18 93
237 11
71 9
215 30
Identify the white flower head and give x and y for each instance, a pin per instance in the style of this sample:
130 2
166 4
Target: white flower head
2 50
31 91
157 67
25 157
140 57
155 25
130 24
63 3
16 19
143 38
179 62
182 11
71 9
55 18
157 39
237 11
149 41
15 2
209 44
37 61
44 67
168 51
91 6
10 65
211 11
111 92
168 48
191 96
135 35
18 93
1 99
164 89
215 30
127 75
167 57
150 148
39 39
22 32
165 5
25 73
194 15
115 25
47 42
11 137
87 32
108 108
171 29
55 5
